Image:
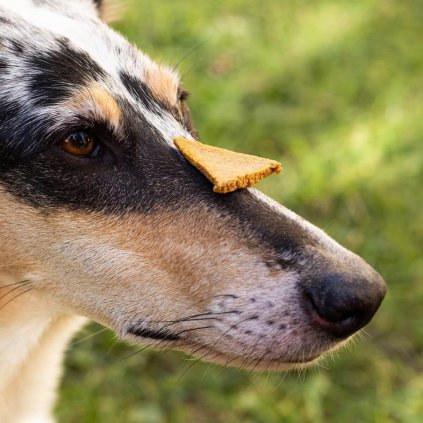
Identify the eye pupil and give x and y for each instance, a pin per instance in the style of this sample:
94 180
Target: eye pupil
79 143
79 139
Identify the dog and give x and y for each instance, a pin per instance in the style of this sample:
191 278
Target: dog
102 218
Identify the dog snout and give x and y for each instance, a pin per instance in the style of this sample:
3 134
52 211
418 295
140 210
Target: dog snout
342 303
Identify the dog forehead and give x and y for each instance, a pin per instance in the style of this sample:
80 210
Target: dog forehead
85 33
73 49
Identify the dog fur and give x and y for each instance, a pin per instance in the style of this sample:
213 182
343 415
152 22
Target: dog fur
133 237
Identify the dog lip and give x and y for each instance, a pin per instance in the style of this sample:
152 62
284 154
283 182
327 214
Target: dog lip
273 361
162 335
302 360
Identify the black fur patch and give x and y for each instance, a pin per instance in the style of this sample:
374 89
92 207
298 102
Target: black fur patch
163 335
55 74
141 92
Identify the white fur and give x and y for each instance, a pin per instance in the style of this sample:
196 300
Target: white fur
31 349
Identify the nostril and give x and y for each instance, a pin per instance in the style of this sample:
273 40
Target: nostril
341 305
336 323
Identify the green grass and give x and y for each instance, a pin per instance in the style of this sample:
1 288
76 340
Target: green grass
334 90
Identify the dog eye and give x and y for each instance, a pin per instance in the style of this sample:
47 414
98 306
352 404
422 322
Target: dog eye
81 144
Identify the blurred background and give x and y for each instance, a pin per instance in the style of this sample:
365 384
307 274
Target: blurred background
334 90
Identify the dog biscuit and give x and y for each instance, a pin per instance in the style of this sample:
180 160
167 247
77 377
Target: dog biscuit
225 169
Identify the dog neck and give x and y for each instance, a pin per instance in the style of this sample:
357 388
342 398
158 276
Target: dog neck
33 337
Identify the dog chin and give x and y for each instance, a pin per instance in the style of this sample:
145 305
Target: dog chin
261 364
287 361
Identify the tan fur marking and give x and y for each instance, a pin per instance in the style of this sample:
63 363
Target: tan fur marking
163 83
98 103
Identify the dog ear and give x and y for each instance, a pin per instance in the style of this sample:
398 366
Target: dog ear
110 10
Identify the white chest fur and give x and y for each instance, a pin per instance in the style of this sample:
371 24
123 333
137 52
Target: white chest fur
33 337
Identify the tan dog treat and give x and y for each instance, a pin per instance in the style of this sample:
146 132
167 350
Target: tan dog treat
227 170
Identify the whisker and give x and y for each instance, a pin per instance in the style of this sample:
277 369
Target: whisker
230 328
14 298
13 284
244 363
196 317
197 361
189 70
210 347
208 315
233 296
132 354
161 342
230 361
260 360
191 51
267 376
79 341
191 356
284 374
192 329
13 289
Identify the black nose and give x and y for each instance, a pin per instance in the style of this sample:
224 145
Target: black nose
341 304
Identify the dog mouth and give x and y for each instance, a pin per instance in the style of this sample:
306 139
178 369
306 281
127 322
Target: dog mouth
163 338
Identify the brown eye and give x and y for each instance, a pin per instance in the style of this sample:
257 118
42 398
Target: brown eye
79 143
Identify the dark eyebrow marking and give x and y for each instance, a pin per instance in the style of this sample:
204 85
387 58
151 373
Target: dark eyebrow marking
142 93
57 73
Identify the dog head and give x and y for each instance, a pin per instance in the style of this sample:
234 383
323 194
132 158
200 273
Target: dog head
100 210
